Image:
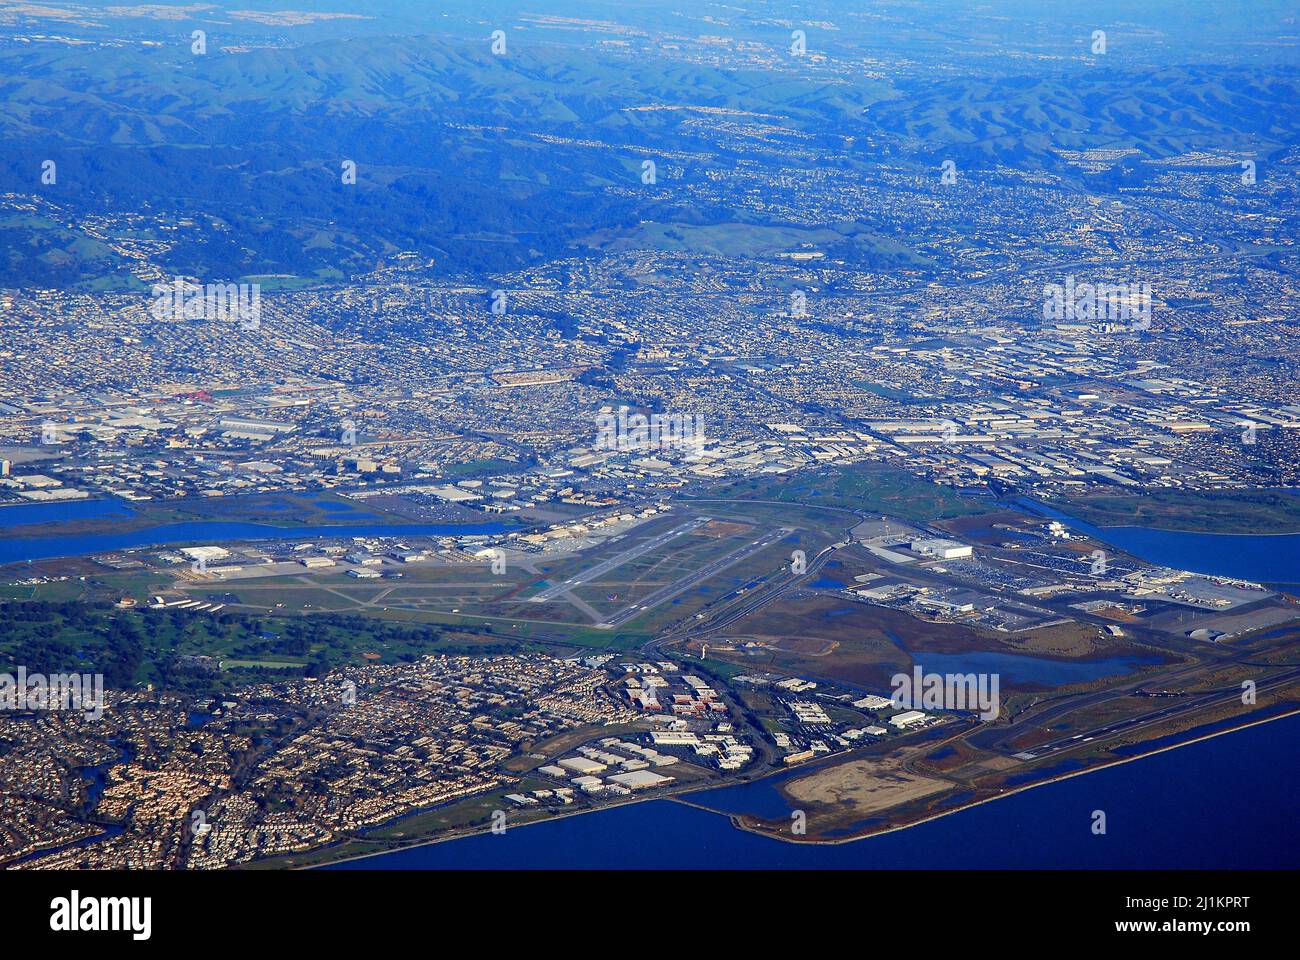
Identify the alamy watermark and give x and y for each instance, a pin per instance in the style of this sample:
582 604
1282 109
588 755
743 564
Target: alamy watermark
57 691
950 691
183 300
1116 302
75 913
659 431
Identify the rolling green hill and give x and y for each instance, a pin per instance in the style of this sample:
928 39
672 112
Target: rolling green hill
485 163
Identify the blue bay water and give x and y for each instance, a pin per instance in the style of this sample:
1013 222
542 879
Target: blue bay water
1226 802
1270 559
22 514
18 548
15 547
1015 667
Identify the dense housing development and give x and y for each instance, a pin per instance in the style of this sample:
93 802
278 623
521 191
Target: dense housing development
831 420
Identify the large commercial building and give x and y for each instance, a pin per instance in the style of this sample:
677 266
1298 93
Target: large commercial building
943 549
909 719
582 765
640 779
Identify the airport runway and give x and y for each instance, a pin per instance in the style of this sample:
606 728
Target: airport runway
666 593
616 561
1179 707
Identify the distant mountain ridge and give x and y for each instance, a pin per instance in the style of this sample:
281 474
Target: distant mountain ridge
534 150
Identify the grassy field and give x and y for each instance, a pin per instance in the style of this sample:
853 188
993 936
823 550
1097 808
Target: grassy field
57 590
861 487
134 646
1244 512
278 509
269 664
494 466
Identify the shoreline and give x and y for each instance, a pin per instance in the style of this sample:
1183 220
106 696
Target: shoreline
1064 516
1195 533
267 533
734 819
